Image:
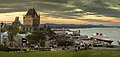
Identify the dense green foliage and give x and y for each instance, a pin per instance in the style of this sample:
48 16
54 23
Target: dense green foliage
82 53
22 32
65 43
6 49
3 48
37 38
12 31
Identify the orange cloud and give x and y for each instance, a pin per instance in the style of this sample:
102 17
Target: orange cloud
9 17
60 20
116 20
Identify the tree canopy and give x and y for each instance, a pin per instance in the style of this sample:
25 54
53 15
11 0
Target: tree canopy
12 31
37 38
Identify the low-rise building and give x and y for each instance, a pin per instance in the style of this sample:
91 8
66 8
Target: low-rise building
21 40
4 38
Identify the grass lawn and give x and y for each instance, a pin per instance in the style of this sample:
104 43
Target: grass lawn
82 53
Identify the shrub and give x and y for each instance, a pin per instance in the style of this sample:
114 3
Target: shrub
65 43
14 49
4 48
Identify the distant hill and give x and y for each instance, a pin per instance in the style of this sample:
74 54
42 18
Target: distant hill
71 25
52 25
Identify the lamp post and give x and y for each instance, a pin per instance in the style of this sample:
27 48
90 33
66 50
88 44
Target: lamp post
0 33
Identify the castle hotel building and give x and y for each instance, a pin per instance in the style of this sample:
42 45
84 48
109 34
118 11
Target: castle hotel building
31 21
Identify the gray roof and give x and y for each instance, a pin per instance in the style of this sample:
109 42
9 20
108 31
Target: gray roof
32 12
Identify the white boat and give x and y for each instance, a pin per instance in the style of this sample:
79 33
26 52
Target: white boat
101 37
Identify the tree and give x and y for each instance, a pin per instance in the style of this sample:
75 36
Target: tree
37 38
22 32
12 31
47 30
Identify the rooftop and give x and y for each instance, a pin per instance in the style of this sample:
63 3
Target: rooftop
32 12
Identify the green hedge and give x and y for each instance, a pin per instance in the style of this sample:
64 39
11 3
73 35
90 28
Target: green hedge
63 43
4 48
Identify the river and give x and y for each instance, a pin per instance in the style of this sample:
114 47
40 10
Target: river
113 33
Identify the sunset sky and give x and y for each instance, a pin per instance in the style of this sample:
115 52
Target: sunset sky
63 11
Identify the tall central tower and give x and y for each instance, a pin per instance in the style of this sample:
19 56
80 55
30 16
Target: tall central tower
32 20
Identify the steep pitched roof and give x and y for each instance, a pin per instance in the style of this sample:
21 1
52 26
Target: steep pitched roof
32 12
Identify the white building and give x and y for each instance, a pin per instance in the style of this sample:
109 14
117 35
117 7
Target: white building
4 39
19 38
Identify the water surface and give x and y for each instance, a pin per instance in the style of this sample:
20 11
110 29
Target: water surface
113 33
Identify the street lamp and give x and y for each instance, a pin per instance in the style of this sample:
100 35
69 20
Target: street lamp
0 33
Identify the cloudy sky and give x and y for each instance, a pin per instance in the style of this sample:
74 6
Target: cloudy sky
105 12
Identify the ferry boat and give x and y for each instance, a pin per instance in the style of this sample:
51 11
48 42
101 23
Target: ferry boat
101 37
